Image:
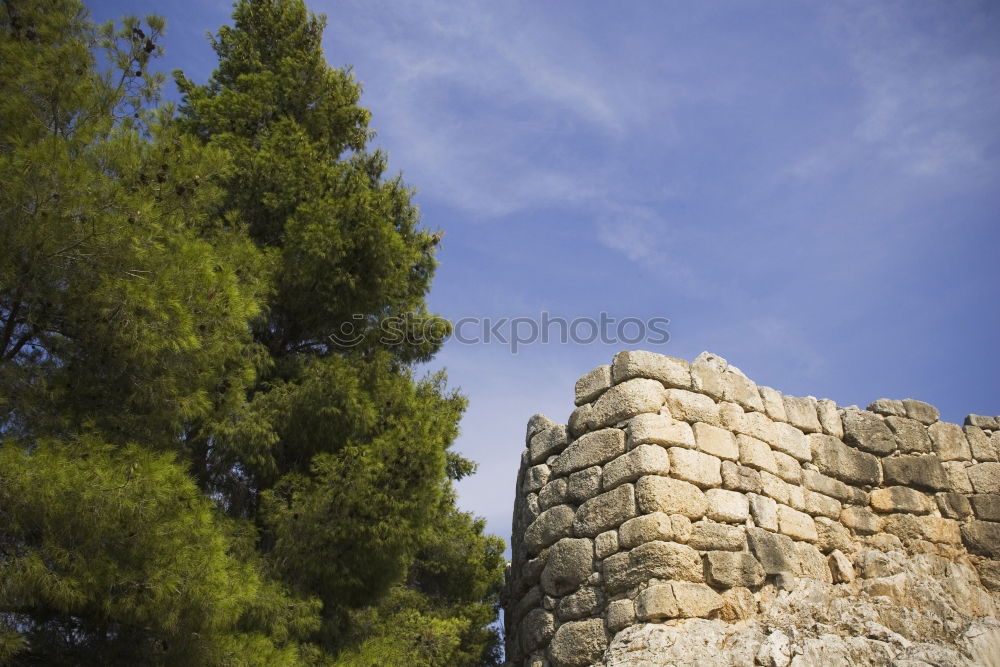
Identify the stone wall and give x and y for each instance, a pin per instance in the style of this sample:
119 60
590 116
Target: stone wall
685 491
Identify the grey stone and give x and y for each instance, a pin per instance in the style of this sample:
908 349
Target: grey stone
626 400
536 424
727 506
535 478
776 553
922 472
570 562
987 506
659 429
656 603
982 445
643 460
982 538
550 526
925 413
578 643
620 614
829 418
911 435
584 484
887 407
547 442
765 511
715 441
845 463
949 442
861 520
590 449
674 496
712 536
868 432
695 467
581 420
530 600
692 407
740 478
958 477
584 602
537 628
608 510
670 371
985 477
695 600
646 528
729 569
554 493
954 505
901 499
606 543
802 414
982 421
593 384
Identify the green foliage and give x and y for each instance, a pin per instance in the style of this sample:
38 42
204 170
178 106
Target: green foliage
191 471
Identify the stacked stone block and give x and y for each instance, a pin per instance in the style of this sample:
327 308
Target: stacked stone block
679 490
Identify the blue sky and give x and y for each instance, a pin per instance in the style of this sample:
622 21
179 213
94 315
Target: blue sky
811 190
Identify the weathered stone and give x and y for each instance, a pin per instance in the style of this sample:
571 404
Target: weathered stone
570 562
695 600
861 520
642 364
958 477
536 424
774 406
715 441
666 560
738 604
787 468
695 467
755 453
730 416
901 499
711 536
753 424
729 569
727 506
776 553
911 435
954 505
868 432
554 493
834 488
643 460
593 384
801 413
663 494
658 429
692 407
774 487
982 538
584 484
656 603
739 478
530 600
982 445
987 506
829 418
547 442
618 574
585 602
681 526
707 378
982 421
812 563
606 543
949 442
888 407
832 535
646 528
535 478
608 510
845 463
925 413
620 614
626 400
989 573
581 420
765 511
578 643
590 449
537 629
795 524
930 528
551 525
985 477
922 472
738 388
819 505
877 565
841 568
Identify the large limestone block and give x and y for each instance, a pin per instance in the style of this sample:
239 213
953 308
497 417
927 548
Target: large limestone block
643 460
590 449
930 528
606 543
547 442
728 506
815 481
666 560
953 505
983 421
901 499
626 400
982 538
755 453
656 603
620 614
797 525
536 424
712 536
922 472
949 441
631 364
812 563
584 602
551 525
843 462
861 520
911 435
987 506
673 496
570 563
715 441
802 414
608 510
765 511
985 477
829 418
754 424
819 505
554 493
791 441
774 406
535 478
728 569
645 528
742 390
593 384
537 629
925 413
958 476
584 484
695 467
982 445
841 568
692 407
706 378
832 535
774 487
738 604
695 600
775 552
787 468
578 643
868 432
740 478
659 429
887 407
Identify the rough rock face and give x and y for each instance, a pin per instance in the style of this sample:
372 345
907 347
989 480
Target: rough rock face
686 516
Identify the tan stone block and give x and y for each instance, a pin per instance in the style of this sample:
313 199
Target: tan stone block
727 506
791 441
819 505
796 525
773 487
774 406
901 499
695 467
590 449
620 614
812 563
787 468
829 418
765 511
656 603
695 600
755 453
949 442
715 441
606 543
692 407
663 494
593 384
670 371
608 510
646 528
643 460
657 429
626 400
861 520
802 414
